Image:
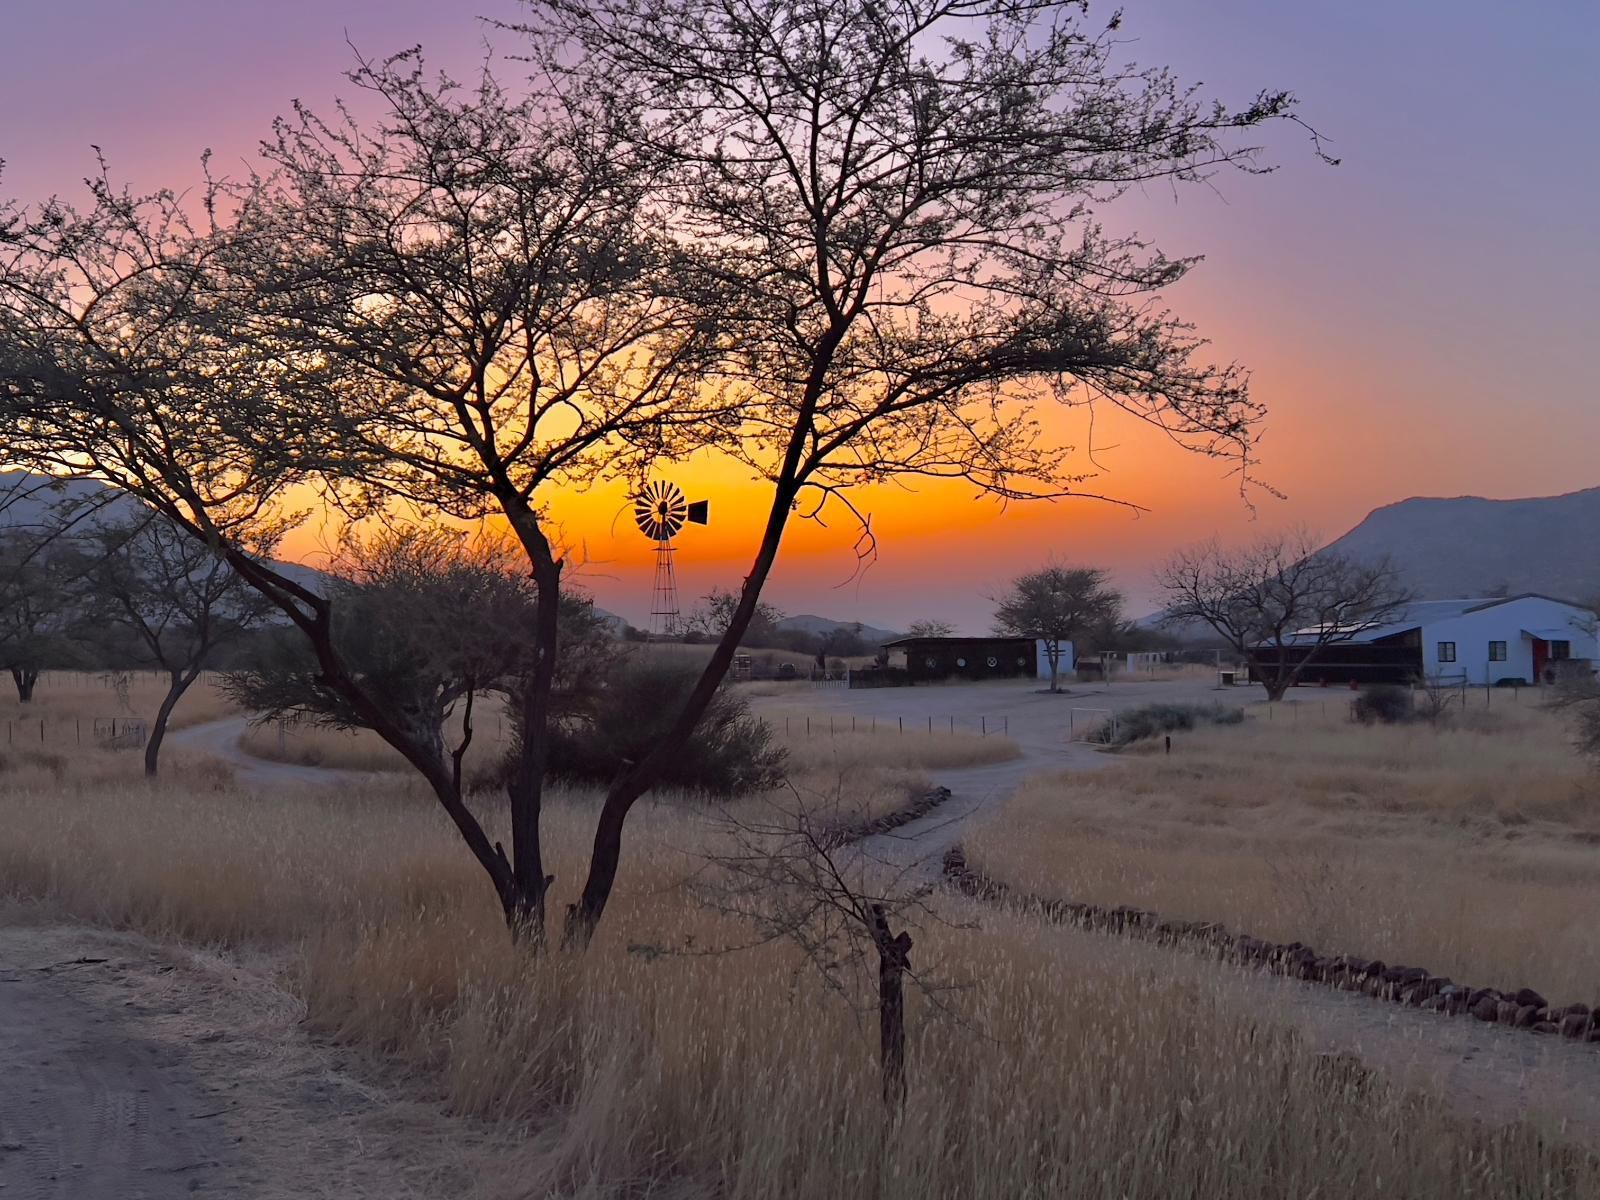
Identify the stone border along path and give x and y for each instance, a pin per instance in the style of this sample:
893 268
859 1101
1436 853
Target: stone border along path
1412 986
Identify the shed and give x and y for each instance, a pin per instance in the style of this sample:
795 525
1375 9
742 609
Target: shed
928 659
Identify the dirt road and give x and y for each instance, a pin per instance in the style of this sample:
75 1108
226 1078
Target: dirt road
220 740
131 1071
88 1108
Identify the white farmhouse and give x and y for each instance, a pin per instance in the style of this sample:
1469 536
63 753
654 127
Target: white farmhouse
1482 641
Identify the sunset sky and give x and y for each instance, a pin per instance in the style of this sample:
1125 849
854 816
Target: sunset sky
1418 319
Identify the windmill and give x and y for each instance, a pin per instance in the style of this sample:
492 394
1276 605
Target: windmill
660 511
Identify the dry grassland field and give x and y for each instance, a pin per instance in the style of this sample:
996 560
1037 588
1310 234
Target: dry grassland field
67 704
667 1063
1472 848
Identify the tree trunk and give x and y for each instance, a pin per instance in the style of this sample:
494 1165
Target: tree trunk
1276 687
176 687
606 853
894 957
525 790
25 678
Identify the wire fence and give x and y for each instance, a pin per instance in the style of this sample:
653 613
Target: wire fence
836 724
115 732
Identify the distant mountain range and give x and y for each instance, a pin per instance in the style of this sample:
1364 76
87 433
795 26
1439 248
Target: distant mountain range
27 500
810 623
1469 546
33 501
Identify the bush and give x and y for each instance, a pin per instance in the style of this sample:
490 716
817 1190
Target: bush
1383 704
1151 720
730 753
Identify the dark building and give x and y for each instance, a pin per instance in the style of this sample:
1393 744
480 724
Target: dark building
927 659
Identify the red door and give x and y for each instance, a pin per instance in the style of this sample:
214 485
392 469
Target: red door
1541 655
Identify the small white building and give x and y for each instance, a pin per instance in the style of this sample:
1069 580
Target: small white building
1482 641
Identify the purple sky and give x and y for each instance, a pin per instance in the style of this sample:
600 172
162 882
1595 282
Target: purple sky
1419 319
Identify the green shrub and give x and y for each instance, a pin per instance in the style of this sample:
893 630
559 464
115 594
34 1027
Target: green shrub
1151 720
731 751
1383 704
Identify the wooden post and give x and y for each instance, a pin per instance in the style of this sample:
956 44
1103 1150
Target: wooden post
894 956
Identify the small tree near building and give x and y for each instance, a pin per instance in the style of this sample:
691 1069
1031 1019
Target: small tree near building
1056 606
716 611
1280 594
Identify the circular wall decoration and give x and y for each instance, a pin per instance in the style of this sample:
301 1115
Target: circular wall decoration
1022 662
961 662
993 661
929 662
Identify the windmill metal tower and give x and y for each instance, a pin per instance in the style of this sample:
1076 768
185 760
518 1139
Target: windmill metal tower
660 511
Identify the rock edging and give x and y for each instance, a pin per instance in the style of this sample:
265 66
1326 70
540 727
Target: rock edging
1412 986
924 804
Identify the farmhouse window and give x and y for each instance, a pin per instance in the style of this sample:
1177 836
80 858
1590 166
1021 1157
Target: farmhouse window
1497 652
1447 652
1560 650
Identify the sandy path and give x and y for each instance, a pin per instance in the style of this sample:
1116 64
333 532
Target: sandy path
161 1072
220 740
87 1107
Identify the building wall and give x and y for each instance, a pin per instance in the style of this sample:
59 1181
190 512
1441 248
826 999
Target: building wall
1472 632
1065 665
928 659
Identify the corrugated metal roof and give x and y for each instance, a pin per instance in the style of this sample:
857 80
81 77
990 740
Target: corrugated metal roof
1413 616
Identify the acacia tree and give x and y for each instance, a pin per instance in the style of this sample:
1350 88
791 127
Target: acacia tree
716 610
1280 594
172 595
1057 606
898 199
796 236
930 629
456 310
431 621
38 607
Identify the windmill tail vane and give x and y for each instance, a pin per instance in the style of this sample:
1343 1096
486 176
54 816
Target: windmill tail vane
660 510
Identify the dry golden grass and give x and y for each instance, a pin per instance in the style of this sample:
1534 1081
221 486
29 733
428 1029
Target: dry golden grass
862 774
1472 850
641 1073
66 704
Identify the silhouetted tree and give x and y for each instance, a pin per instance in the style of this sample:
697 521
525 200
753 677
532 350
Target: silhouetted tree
896 199
715 613
429 621
1057 605
1280 594
821 240
930 629
145 582
39 606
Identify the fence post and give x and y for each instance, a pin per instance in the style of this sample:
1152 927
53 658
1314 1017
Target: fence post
808 726
930 722
902 721
983 725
